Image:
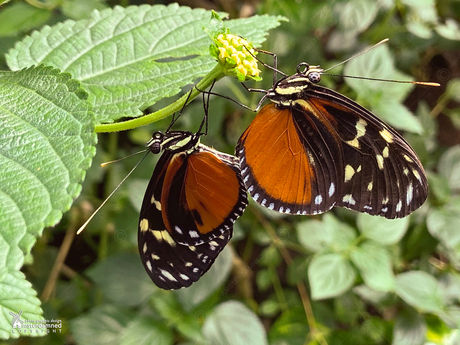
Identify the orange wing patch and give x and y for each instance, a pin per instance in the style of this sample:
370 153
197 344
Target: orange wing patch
276 156
211 190
175 164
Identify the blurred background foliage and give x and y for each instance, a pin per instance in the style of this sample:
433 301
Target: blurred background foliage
338 278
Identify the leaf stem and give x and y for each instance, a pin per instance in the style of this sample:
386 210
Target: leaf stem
215 74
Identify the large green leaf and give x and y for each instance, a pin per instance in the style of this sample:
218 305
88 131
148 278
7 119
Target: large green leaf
46 145
129 58
232 323
17 295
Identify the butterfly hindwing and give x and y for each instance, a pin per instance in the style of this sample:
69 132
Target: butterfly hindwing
169 264
204 195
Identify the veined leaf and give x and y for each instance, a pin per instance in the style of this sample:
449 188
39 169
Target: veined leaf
129 58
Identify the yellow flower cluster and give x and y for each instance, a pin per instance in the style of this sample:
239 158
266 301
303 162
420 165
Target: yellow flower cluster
233 51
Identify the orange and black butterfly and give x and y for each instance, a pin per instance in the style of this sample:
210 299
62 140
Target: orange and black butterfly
312 149
194 196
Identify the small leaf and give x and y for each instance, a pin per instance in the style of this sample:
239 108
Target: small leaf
121 273
208 283
21 17
102 325
451 30
313 234
449 167
16 295
81 9
420 29
356 15
129 58
421 290
409 328
398 116
443 222
330 275
382 230
232 323
370 295
374 264
453 89
145 330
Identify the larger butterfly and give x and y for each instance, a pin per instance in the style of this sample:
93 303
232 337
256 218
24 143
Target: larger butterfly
312 149
193 198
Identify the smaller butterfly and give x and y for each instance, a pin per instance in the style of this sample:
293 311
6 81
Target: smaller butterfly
195 195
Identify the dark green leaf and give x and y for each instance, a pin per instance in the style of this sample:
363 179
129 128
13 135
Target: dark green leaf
122 279
409 329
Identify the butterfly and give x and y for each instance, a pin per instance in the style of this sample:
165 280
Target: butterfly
195 195
312 149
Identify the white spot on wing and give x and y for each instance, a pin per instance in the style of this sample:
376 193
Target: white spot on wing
318 199
149 265
399 206
409 194
168 275
193 234
144 225
332 189
349 199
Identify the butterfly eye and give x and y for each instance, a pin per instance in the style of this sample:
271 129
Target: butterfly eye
314 77
155 142
302 68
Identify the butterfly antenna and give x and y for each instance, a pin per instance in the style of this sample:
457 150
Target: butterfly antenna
356 55
426 83
229 98
206 109
113 192
274 68
175 118
120 159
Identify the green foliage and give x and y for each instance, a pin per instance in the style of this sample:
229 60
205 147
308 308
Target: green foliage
338 278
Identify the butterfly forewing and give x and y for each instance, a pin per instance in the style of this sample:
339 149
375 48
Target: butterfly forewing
298 169
382 173
169 264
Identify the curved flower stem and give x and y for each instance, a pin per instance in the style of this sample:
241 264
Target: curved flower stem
216 73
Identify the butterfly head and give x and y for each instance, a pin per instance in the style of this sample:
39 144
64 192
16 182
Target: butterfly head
291 88
174 141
